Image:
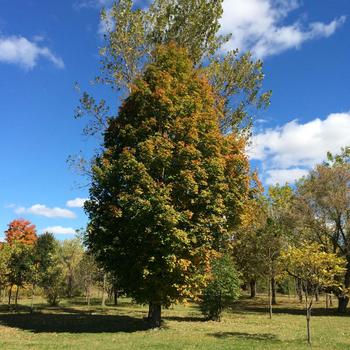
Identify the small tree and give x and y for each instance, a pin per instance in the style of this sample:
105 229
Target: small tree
88 274
20 266
4 258
50 268
222 289
71 253
315 269
247 245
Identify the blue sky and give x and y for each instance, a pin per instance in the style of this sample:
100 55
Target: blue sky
47 46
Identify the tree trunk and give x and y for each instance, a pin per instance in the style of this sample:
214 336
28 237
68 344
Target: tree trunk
299 289
32 299
270 298
343 301
273 291
317 296
308 319
252 284
70 286
155 314
149 311
104 290
16 299
10 294
308 305
115 294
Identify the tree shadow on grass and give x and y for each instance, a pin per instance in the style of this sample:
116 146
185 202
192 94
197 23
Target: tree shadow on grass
185 319
291 311
73 323
247 336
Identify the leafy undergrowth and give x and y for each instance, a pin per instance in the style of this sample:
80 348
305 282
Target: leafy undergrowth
246 326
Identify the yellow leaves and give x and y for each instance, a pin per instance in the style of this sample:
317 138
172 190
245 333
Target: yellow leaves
115 211
310 263
145 273
184 264
181 236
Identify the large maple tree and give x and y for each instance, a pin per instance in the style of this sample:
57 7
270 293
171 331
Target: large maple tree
169 186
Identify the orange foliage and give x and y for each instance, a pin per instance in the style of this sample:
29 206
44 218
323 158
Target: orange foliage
21 230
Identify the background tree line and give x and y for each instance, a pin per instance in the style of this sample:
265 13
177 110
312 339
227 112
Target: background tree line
43 266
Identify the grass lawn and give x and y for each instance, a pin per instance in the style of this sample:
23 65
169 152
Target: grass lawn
246 326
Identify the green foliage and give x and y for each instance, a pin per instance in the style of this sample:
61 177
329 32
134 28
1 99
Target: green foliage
263 233
191 24
132 34
238 79
88 273
4 259
50 268
222 290
20 264
169 187
339 159
71 253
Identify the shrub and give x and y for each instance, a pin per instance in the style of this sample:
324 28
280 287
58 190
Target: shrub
222 290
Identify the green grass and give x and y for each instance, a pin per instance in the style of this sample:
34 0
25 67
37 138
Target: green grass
246 326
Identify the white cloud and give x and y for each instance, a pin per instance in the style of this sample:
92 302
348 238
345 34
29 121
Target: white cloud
288 151
43 210
59 230
76 203
19 50
92 3
281 176
257 25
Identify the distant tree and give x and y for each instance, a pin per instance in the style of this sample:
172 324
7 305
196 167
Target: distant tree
247 245
278 231
222 290
20 267
263 233
271 240
21 230
71 253
50 268
169 187
88 273
4 259
315 269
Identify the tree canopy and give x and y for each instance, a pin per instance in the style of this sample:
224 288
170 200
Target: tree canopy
21 230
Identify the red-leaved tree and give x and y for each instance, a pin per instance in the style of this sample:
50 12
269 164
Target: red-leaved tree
21 230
